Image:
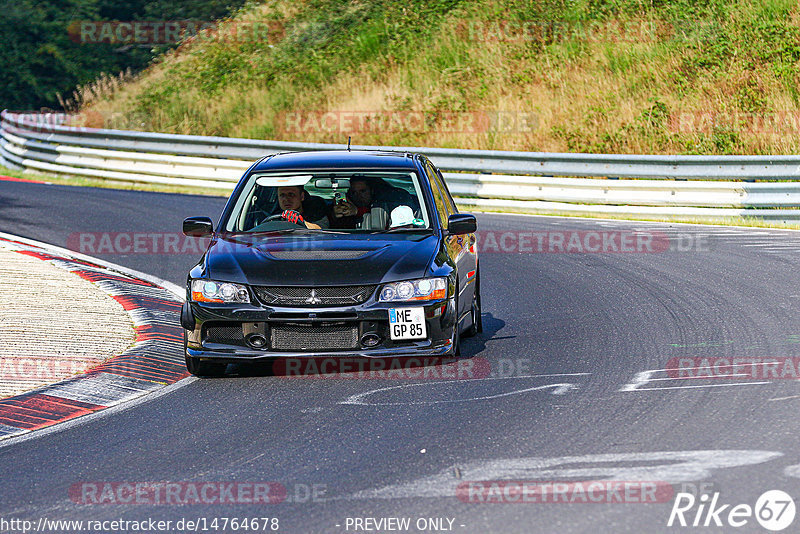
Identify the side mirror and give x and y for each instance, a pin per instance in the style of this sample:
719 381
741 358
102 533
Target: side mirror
198 227
461 223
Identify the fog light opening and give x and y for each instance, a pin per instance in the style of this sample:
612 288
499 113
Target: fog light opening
370 340
257 341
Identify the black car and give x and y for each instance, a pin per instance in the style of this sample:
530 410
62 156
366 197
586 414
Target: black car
335 254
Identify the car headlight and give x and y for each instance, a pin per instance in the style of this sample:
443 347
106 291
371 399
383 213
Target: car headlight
422 289
211 291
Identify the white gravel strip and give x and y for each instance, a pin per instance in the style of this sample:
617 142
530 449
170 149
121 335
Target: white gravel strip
53 324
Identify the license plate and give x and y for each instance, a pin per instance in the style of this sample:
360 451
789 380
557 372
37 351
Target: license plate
407 323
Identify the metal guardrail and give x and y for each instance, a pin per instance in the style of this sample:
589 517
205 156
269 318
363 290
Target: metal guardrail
693 186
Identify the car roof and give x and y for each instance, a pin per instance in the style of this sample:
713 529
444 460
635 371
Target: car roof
336 159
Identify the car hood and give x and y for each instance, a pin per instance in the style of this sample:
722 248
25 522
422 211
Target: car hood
312 259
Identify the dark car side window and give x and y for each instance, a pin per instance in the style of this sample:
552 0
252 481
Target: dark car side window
438 195
448 198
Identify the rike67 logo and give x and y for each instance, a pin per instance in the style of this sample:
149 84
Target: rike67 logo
774 510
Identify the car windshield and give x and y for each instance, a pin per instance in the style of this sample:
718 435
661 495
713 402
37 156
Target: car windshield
353 201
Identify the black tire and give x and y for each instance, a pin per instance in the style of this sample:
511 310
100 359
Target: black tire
456 332
456 341
477 321
200 368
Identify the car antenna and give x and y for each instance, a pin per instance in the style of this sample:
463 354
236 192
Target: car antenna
348 143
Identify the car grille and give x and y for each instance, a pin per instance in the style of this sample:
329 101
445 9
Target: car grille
312 337
228 335
314 296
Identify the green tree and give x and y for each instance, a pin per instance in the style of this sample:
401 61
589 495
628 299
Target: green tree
41 59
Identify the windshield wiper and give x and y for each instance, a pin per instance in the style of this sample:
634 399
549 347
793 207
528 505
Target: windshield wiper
283 231
390 230
328 231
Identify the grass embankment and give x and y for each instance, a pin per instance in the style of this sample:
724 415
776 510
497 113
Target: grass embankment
618 76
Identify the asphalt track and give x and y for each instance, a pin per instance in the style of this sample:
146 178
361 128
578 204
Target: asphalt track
596 322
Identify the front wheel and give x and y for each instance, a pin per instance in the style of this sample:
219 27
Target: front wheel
456 342
455 352
477 322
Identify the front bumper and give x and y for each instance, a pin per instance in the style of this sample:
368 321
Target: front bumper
222 332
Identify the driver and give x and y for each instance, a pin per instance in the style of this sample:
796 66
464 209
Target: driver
291 199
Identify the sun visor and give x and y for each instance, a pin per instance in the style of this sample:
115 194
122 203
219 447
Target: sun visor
283 181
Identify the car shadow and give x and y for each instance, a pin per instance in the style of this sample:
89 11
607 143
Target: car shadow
323 367
473 346
13 211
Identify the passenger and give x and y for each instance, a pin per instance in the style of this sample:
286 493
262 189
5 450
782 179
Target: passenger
349 211
365 194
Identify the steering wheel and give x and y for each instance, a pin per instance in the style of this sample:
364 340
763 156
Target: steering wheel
277 217
252 219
